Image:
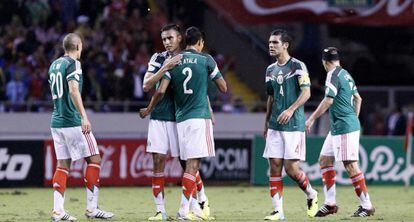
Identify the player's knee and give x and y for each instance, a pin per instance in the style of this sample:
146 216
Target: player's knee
64 163
94 159
325 161
352 168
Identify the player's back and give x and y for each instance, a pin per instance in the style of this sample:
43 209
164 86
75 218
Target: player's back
342 111
189 81
61 71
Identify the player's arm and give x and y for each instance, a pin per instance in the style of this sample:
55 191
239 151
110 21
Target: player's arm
159 94
304 83
221 84
270 100
357 103
215 74
150 78
213 118
322 107
77 101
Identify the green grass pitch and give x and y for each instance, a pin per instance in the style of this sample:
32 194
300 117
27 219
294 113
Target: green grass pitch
230 203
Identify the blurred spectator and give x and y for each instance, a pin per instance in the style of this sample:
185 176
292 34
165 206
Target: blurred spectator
396 122
16 93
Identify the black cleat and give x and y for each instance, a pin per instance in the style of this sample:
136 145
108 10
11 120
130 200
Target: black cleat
325 210
362 212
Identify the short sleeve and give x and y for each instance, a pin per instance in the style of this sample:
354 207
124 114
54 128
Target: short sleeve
303 75
74 71
331 85
155 63
167 75
212 68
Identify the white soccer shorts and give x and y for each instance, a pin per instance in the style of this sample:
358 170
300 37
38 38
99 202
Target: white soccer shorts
195 137
71 143
343 147
285 145
162 136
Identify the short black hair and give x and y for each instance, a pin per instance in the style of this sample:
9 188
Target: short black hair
70 42
330 54
193 35
172 26
284 35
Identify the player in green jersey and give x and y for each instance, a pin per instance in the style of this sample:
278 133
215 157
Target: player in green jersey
188 81
342 142
162 130
71 131
287 82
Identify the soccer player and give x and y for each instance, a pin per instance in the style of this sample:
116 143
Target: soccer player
162 130
72 132
287 82
342 142
188 81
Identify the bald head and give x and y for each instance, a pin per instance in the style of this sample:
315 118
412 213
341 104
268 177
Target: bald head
72 42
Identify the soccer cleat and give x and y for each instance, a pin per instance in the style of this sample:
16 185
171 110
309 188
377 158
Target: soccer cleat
99 214
362 212
188 217
312 206
325 210
159 216
56 216
205 207
275 215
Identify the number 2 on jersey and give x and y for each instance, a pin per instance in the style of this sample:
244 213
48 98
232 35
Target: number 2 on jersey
189 73
56 79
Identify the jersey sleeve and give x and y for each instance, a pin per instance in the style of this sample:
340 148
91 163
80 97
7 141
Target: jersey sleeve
331 85
167 75
74 71
212 68
155 63
303 75
354 88
269 87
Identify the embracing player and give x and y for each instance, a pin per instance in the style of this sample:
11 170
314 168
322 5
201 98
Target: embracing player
162 129
188 81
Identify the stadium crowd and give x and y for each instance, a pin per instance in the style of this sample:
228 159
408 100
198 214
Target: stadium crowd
119 38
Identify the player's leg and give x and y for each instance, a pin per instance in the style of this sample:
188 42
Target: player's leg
274 152
326 162
85 146
348 153
60 176
358 181
158 144
295 151
196 141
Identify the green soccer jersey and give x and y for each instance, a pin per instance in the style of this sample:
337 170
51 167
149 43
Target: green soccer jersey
284 83
164 110
62 71
189 81
341 87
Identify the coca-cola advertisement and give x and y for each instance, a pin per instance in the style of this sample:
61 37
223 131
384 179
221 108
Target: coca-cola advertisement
124 162
378 12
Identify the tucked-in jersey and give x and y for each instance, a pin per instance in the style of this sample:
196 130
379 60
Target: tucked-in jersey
189 80
341 87
164 110
63 70
284 83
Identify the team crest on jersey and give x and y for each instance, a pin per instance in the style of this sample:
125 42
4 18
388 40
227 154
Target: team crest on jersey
279 79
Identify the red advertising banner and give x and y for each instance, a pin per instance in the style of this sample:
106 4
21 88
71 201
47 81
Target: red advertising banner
377 12
124 162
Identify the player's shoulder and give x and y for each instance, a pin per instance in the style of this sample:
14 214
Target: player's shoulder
270 67
297 64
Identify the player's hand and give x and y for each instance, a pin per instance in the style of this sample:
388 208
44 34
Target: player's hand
86 126
309 124
144 112
172 62
285 116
